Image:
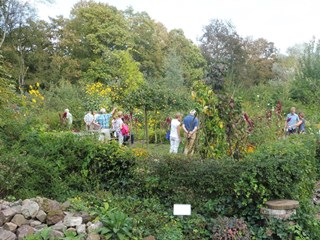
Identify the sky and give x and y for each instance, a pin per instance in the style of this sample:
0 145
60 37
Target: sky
284 22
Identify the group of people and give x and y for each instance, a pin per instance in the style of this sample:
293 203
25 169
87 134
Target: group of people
118 129
295 123
190 126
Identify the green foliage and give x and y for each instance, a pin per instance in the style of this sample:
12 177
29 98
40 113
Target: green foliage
59 165
224 130
192 62
171 231
8 96
44 234
117 226
230 188
71 235
290 167
13 165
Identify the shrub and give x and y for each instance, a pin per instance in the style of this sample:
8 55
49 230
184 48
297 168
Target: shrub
64 164
283 169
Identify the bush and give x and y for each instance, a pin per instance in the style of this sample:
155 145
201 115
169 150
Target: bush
283 169
63 164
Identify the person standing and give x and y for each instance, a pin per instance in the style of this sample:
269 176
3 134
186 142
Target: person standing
301 124
175 133
95 123
118 126
67 118
104 122
88 119
291 122
190 127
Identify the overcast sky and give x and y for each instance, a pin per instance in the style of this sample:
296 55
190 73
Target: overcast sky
284 22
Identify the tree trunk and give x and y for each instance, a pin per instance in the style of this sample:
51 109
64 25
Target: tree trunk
3 38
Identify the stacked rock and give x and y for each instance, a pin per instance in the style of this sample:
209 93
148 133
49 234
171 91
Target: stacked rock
23 218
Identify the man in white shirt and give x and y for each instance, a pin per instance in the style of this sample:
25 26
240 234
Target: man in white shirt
88 119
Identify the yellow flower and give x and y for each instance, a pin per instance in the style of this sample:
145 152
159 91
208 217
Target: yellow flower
193 95
250 149
33 100
38 84
221 124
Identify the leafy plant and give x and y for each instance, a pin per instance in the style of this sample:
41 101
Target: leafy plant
71 235
230 228
117 225
44 234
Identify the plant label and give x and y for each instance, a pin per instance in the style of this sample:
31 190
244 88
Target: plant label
182 209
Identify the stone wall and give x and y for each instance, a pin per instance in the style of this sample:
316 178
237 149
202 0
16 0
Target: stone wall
23 218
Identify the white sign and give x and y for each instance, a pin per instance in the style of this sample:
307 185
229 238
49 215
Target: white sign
182 209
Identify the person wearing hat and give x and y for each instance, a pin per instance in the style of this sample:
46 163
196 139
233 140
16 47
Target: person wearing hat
190 127
104 122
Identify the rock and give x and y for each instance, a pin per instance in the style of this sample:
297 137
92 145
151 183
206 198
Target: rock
54 234
72 230
81 229
282 204
65 205
24 231
17 209
40 227
92 227
93 236
35 223
16 203
49 205
9 226
54 217
59 227
41 216
19 220
29 209
6 215
85 217
71 221
7 235
149 238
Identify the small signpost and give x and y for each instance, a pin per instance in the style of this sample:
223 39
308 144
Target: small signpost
182 209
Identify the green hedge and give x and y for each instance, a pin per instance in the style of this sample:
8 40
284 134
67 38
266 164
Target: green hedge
283 169
59 165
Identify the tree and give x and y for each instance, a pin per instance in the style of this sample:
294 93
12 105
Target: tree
150 41
149 97
260 58
192 62
13 14
119 71
222 47
306 85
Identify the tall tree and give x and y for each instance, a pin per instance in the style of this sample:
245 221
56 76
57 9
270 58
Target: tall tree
13 14
150 41
192 61
222 47
260 58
